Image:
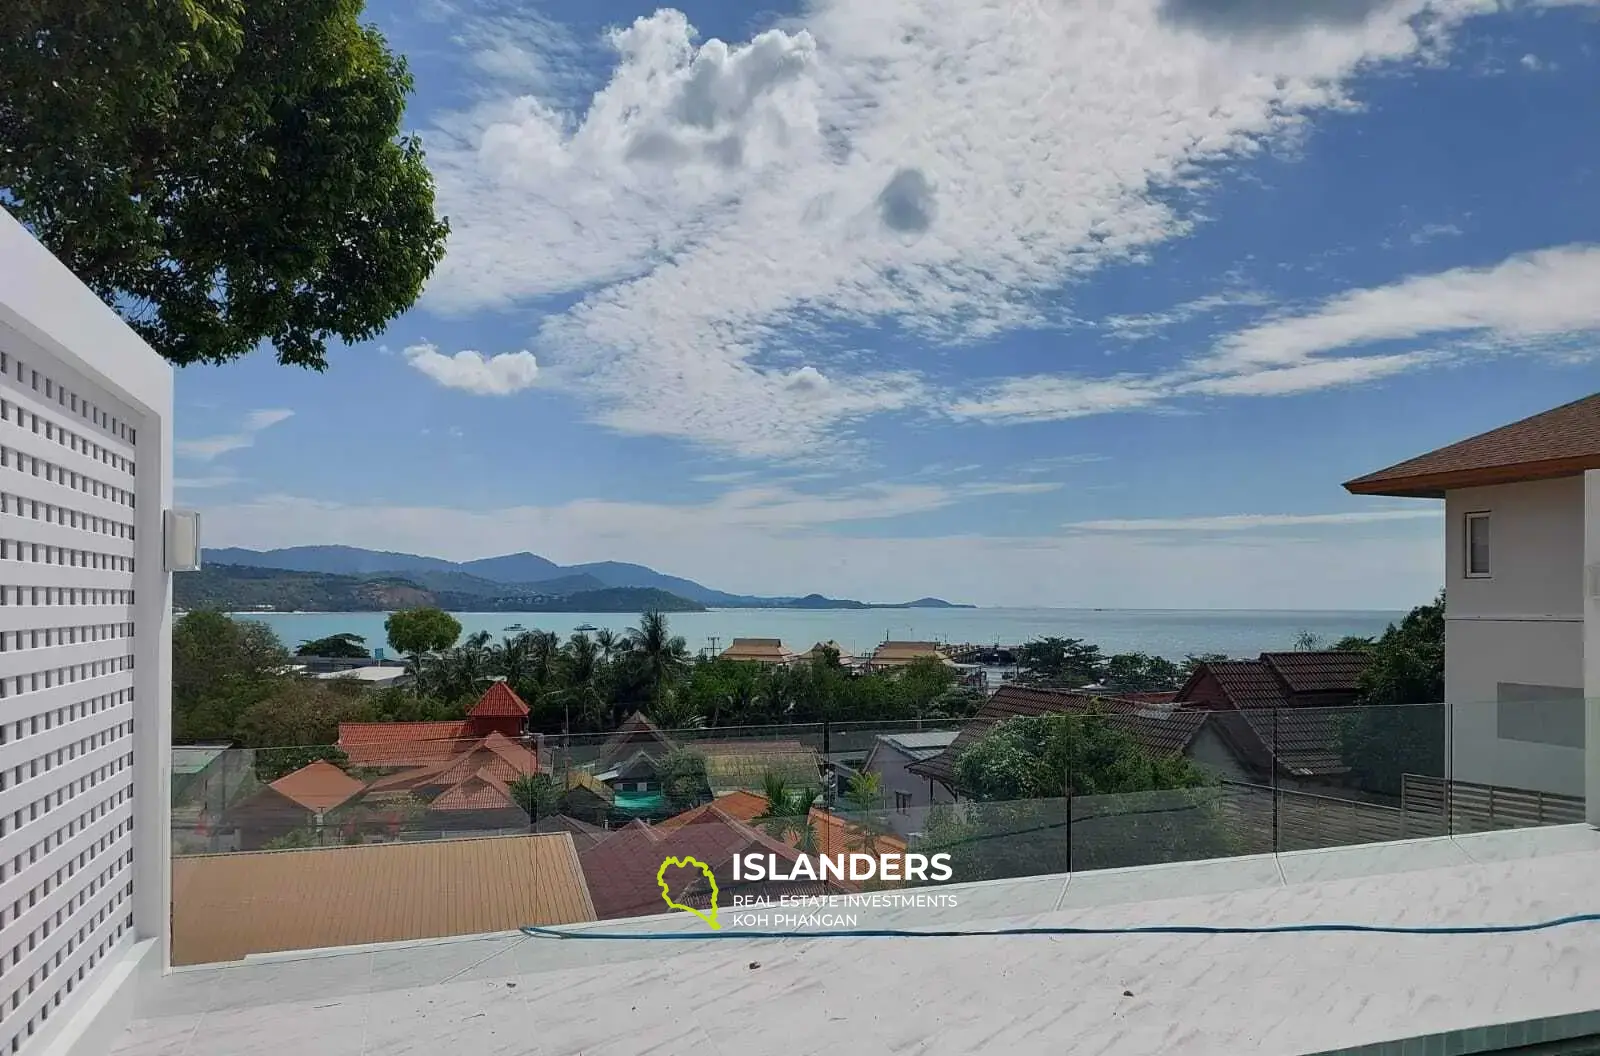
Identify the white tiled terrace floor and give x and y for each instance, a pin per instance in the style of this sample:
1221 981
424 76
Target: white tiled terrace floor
1191 995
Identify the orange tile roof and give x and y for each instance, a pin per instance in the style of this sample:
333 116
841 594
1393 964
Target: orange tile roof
384 744
318 786
760 650
836 835
499 700
1564 441
228 906
741 806
480 791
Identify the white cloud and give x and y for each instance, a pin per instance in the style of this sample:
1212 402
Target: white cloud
934 163
469 371
206 448
1246 522
1138 327
1433 232
213 480
1540 301
780 542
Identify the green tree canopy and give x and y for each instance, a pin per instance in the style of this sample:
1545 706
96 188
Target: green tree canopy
683 779
220 668
1400 728
345 646
424 630
224 173
1141 673
1064 662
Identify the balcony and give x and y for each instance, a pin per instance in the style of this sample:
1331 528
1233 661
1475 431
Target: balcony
354 903
1289 993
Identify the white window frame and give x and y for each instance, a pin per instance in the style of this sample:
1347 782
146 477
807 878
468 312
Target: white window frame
1467 568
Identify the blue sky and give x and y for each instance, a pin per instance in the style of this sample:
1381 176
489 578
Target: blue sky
1065 303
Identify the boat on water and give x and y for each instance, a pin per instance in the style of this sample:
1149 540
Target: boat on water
583 627
513 627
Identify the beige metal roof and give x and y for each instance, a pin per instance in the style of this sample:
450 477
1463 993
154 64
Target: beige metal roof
226 906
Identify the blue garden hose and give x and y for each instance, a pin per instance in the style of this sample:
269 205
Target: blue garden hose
1147 929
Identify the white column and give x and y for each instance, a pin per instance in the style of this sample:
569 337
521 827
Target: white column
1591 643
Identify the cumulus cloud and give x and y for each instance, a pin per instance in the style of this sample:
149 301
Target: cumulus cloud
1540 301
780 542
934 164
469 371
206 448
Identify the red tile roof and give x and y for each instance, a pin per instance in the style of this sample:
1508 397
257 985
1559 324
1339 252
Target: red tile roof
1159 730
481 791
1561 442
740 806
389 744
499 700
318 786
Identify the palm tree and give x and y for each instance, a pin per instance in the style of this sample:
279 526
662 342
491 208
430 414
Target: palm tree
512 659
606 640
662 655
578 669
788 813
863 799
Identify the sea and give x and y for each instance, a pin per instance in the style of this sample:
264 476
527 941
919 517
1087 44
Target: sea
1172 633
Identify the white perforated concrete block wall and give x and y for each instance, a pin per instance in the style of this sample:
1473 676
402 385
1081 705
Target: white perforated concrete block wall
85 447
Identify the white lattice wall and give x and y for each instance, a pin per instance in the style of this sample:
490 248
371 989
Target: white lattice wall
76 743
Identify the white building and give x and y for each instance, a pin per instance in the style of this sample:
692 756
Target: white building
85 655
1522 585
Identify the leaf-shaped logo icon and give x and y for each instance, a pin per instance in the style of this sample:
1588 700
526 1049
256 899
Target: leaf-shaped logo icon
710 916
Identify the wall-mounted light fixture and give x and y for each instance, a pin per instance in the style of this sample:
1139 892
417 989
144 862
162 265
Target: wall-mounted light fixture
182 538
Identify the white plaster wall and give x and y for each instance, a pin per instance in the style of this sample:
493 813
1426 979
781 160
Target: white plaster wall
1535 551
50 319
1480 654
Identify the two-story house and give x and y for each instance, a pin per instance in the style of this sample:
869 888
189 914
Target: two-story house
1522 596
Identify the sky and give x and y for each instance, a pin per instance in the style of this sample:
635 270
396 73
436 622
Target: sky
1013 302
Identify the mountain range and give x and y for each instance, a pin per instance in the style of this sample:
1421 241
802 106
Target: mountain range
521 573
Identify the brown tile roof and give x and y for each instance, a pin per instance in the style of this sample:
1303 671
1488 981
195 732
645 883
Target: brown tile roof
896 654
228 906
636 730
836 835
735 765
760 650
497 701
816 651
318 786
1249 684
1561 442
1306 739
1158 730
386 744
1322 671
621 869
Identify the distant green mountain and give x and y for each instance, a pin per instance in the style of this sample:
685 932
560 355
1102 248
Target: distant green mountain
521 572
243 588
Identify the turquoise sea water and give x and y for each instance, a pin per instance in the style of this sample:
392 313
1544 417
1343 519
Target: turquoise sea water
1169 633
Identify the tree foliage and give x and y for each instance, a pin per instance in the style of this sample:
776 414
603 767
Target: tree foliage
683 779
1400 729
344 646
223 173
220 668
413 632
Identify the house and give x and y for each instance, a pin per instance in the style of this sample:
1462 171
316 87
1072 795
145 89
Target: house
383 745
890 655
908 793
1282 711
822 649
297 801
758 651
622 869
469 792
1160 731
1522 596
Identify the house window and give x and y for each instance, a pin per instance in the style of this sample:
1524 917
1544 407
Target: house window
902 801
1477 544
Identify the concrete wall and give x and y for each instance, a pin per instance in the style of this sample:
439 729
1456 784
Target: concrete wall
86 428
1514 640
